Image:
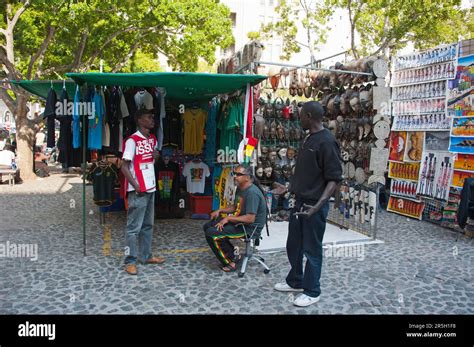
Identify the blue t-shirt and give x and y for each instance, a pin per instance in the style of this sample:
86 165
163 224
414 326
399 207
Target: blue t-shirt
95 124
76 121
210 147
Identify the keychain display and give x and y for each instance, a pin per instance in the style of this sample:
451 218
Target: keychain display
425 74
420 91
425 122
406 207
416 107
405 171
405 189
434 56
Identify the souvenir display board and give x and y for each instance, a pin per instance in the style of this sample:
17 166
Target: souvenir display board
432 107
461 110
420 166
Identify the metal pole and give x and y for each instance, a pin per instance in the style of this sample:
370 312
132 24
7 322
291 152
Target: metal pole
84 144
331 56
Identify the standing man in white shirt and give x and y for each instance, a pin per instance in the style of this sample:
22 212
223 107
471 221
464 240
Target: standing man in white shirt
138 168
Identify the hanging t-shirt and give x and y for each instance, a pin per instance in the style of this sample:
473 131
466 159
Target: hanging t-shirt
124 113
143 99
226 173
230 123
195 173
76 120
216 176
229 190
168 180
194 122
50 113
65 136
172 129
210 150
103 180
95 124
160 96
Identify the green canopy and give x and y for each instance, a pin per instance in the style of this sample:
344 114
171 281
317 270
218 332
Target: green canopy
41 88
178 85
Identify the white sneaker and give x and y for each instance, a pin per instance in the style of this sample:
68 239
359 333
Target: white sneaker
284 287
304 300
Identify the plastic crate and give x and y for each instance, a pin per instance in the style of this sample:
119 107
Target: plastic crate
200 204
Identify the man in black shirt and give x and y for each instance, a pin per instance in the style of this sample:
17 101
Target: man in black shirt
317 173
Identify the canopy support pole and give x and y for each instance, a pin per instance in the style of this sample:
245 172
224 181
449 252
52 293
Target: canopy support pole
84 166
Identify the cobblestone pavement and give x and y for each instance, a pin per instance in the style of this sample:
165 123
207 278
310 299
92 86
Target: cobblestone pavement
420 269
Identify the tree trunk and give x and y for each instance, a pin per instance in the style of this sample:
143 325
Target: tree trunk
25 137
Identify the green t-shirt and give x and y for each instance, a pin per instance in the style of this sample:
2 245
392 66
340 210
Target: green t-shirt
230 125
251 201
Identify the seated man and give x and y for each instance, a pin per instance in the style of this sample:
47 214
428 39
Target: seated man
7 159
41 167
249 208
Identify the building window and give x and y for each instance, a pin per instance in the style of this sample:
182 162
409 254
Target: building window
262 19
270 2
278 51
269 50
233 17
262 2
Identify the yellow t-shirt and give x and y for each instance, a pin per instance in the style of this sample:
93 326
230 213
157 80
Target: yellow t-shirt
194 123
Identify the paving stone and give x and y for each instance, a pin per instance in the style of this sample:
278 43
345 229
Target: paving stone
416 261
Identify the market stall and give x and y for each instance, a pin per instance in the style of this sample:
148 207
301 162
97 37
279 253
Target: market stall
196 114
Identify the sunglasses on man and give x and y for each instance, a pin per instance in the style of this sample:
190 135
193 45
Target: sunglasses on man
238 174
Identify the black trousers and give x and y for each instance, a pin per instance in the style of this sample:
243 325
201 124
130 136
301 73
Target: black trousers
305 238
219 240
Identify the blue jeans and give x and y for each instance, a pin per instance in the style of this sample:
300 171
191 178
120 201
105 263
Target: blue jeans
305 237
140 219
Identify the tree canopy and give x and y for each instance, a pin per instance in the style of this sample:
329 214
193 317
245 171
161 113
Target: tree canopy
44 39
375 25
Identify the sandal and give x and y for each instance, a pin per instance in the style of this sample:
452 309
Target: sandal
230 268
